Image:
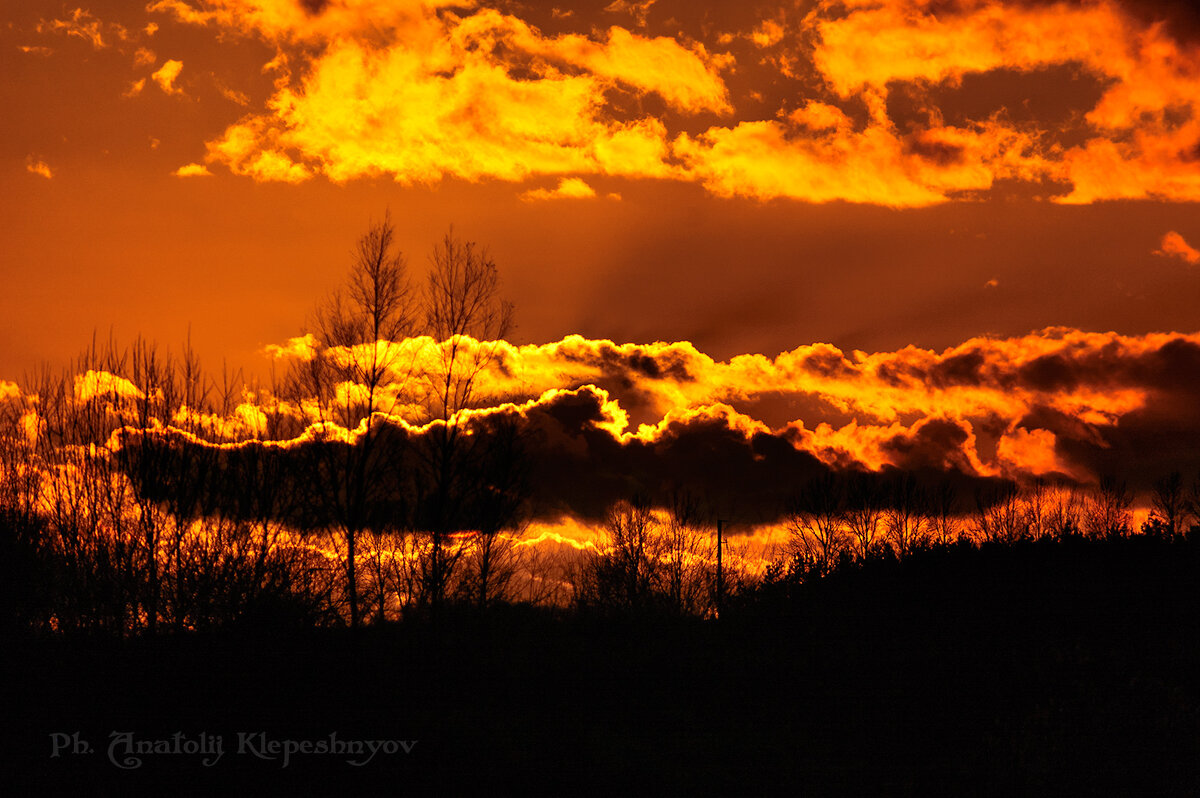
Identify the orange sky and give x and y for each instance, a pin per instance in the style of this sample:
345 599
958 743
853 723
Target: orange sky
747 178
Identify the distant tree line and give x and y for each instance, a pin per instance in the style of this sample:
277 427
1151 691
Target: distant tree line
110 524
139 493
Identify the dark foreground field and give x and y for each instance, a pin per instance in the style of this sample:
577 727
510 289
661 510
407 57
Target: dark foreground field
1066 668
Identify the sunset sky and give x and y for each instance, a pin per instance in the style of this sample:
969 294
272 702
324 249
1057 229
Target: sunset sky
948 234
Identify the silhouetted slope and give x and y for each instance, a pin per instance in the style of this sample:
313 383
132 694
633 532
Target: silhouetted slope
1040 668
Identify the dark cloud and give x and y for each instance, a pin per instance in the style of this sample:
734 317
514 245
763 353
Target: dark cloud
575 465
1146 445
1174 366
1181 18
940 153
1160 436
964 368
829 363
1050 373
934 444
314 7
630 373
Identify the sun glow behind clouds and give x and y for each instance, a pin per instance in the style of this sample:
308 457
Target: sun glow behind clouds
1061 404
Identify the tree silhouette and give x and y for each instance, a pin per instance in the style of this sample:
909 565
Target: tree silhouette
907 517
357 375
943 514
1001 516
1107 511
864 512
688 551
816 521
624 573
468 320
1170 504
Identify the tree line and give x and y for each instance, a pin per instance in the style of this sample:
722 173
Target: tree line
139 493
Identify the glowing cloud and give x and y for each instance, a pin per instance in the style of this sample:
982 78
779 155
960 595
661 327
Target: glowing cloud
166 75
817 155
421 95
192 170
637 10
568 188
38 167
81 24
1142 128
1174 246
144 57
302 347
428 89
103 384
1056 403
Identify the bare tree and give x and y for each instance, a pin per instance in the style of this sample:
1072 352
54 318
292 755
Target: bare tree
817 523
502 474
357 375
943 514
906 518
1001 517
1107 511
1065 515
687 553
625 571
864 513
1037 510
1192 505
1170 504
467 319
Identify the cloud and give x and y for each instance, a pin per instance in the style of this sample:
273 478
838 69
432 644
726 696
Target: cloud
135 88
817 155
302 347
192 170
638 11
568 188
250 149
1174 246
580 462
144 57
233 95
1058 403
36 166
1139 134
282 21
102 385
686 77
602 421
166 75
420 94
81 24
35 50
421 91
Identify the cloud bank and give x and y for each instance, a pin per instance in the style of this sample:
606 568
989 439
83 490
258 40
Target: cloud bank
423 90
601 422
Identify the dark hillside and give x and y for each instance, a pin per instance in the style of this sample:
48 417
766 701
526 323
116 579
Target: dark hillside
1050 668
